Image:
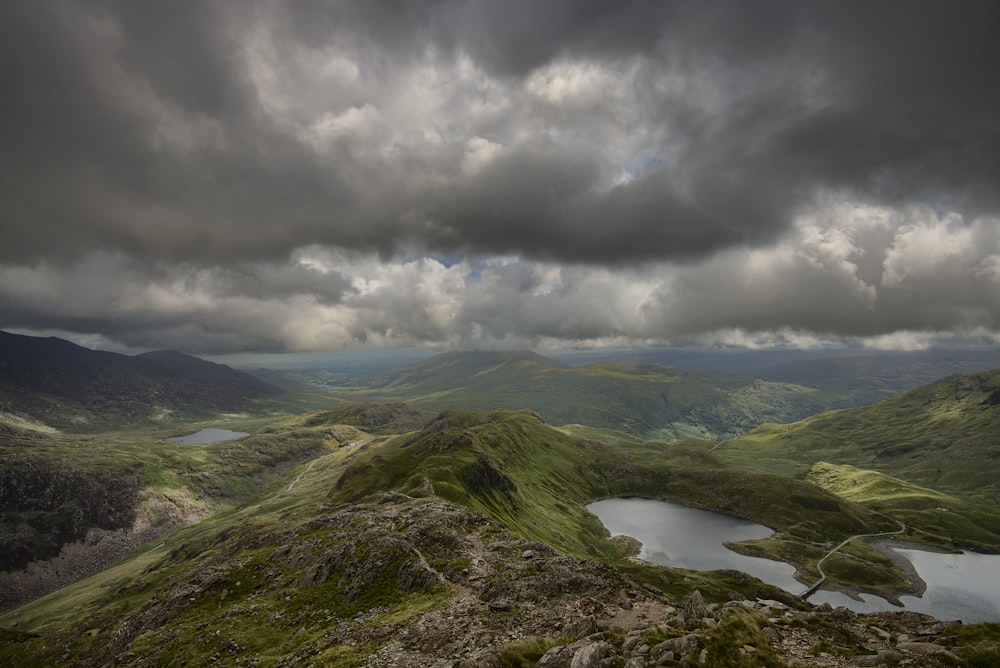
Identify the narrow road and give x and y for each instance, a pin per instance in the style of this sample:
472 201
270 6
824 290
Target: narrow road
819 564
299 476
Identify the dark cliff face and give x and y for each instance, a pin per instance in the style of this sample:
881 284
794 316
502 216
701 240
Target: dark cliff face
46 505
62 384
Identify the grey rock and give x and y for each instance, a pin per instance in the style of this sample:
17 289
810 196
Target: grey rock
631 642
890 656
591 655
694 608
581 628
554 657
770 603
943 653
866 660
918 648
934 630
679 647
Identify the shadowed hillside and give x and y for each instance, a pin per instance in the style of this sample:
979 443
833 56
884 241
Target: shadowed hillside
63 385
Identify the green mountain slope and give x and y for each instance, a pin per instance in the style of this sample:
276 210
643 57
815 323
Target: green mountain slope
536 479
945 436
654 402
930 515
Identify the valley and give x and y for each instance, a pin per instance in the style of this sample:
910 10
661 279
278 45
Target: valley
383 531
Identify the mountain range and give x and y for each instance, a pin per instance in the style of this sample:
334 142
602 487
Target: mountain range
651 400
60 384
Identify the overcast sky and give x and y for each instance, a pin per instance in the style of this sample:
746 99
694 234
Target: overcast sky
261 175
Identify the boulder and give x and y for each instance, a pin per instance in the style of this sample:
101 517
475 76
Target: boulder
591 656
694 608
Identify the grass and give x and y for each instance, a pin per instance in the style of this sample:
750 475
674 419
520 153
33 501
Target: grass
526 653
62 484
943 436
931 517
220 589
982 641
737 629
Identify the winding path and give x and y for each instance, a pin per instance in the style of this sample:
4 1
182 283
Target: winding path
819 564
299 477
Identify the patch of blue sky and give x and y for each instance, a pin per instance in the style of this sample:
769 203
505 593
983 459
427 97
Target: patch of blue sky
639 166
450 260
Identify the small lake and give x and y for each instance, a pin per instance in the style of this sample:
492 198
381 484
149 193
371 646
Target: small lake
959 586
674 535
210 435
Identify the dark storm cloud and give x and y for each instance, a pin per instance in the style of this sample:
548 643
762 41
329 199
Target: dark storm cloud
266 174
139 126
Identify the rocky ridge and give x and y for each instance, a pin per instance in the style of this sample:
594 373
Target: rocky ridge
420 582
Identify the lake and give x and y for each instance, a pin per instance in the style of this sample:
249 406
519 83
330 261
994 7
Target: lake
674 535
210 435
959 586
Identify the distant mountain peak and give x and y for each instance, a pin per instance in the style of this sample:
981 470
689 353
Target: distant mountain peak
63 384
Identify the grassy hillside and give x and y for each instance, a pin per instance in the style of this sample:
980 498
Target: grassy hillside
930 516
650 401
945 436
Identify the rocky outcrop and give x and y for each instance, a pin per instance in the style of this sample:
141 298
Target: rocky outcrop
765 633
157 514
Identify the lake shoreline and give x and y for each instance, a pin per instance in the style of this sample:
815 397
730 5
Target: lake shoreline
885 546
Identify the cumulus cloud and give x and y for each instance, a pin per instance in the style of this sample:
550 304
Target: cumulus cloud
282 175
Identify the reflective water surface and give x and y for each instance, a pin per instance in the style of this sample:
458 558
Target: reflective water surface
210 435
959 586
684 537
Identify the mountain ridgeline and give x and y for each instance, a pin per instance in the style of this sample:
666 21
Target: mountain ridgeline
60 384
